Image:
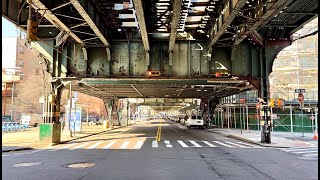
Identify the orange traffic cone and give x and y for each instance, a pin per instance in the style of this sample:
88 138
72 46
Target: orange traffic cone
315 135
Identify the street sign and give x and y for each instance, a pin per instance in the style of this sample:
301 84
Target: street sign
299 90
300 97
75 94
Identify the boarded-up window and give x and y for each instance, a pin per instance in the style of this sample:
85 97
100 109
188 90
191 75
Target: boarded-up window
20 63
21 49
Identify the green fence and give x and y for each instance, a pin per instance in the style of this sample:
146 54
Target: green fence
285 119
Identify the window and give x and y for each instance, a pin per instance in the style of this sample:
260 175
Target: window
20 63
21 49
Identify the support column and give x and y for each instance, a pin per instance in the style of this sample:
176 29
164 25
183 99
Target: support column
50 132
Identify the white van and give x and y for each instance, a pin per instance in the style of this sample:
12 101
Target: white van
194 120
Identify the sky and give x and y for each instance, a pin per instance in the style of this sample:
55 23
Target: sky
8 29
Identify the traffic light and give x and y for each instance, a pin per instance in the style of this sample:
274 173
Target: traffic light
271 102
32 29
280 102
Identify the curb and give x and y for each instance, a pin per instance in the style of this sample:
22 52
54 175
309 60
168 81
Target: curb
62 142
247 140
18 149
253 142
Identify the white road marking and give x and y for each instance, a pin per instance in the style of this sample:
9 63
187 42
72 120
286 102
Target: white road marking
109 145
236 144
124 145
63 147
222 144
292 150
154 144
138 145
95 145
79 146
303 152
310 155
250 144
182 144
209 144
194 143
167 143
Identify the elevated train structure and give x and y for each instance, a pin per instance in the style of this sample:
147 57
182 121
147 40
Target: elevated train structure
105 48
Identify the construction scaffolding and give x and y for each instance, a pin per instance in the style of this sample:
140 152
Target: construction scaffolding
297 67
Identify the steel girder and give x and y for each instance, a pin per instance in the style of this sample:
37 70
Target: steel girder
93 19
227 15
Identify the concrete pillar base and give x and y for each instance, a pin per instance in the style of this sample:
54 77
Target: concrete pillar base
50 133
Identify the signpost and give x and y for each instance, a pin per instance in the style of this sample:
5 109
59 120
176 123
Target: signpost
75 95
301 99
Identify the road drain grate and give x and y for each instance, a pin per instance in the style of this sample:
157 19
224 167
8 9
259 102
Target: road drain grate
27 164
80 165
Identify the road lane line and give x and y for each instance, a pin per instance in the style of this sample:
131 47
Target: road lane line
95 145
222 144
109 145
194 143
154 144
79 146
138 145
182 144
209 144
167 143
124 145
236 144
63 147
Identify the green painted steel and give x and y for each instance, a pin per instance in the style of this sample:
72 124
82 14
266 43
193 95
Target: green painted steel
45 132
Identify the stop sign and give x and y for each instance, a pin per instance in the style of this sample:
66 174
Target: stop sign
300 97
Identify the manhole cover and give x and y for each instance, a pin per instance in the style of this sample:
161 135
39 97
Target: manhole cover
26 164
80 165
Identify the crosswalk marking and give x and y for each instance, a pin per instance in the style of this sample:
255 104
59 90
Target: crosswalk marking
63 147
154 144
195 144
109 145
79 146
249 144
138 145
183 144
209 144
296 149
95 145
167 143
310 155
236 144
222 144
124 145
304 152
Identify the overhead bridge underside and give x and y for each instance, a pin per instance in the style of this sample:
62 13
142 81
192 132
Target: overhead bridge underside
108 88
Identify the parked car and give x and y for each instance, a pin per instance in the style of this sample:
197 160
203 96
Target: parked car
195 121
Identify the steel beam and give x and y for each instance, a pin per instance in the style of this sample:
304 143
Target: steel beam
264 19
142 24
42 9
225 23
175 23
89 20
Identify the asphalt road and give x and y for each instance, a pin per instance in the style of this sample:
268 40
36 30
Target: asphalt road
180 154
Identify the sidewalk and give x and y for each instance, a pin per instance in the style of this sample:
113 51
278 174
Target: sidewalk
278 139
29 139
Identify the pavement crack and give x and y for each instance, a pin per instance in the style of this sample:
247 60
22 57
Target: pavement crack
83 176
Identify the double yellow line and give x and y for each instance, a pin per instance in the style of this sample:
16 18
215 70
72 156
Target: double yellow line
159 132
